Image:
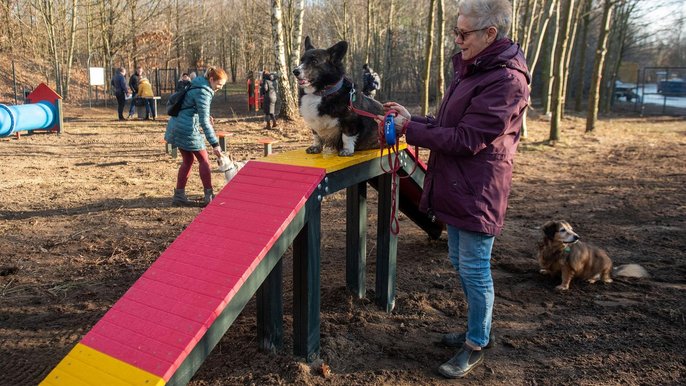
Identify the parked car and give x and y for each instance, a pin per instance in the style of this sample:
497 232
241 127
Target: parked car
672 87
625 90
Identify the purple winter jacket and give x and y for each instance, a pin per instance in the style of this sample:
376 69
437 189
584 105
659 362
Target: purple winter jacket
473 141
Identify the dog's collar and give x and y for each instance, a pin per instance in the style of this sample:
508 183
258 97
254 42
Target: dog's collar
330 89
568 246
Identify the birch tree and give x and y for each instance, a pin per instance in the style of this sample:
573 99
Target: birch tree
559 75
597 78
440 77
289 109
428 53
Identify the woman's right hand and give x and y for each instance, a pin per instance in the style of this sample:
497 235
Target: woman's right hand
400 109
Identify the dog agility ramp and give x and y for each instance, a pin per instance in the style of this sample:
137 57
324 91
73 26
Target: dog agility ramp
166 324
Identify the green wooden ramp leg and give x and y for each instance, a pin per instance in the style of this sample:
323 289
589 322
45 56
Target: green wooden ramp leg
386 245
306 283
270 311
356 239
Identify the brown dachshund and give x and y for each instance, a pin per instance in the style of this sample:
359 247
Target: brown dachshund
561 253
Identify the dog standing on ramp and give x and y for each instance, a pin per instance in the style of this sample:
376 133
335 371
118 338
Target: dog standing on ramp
326 95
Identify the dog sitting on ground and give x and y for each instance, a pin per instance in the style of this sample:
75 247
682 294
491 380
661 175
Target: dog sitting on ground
561 253
325 96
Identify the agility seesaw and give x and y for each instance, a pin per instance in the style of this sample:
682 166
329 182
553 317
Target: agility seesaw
43 112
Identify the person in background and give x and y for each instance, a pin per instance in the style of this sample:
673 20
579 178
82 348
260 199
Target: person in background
118 83
370 81
133 85
183 82
473 141
146 94
270 96
192 75
183 131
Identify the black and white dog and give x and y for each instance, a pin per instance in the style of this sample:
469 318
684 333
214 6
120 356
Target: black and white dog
325 95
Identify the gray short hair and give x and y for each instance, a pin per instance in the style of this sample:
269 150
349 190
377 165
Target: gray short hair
486 13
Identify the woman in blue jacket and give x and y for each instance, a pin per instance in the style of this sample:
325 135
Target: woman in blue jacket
183 131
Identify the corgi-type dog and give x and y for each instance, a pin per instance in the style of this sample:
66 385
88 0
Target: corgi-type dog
326 95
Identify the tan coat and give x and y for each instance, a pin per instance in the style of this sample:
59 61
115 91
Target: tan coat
145 88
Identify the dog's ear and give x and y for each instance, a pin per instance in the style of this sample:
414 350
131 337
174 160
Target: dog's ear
549 229
338 50
308 44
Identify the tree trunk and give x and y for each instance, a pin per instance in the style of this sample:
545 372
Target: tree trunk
550 65
440 76
426 74
559 70
541 33
388 52
289 108
70 53
597 78
579 87
296 38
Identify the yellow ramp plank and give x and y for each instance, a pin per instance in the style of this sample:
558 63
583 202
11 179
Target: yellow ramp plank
86 366
331 162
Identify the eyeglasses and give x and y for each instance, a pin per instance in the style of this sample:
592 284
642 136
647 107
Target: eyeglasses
464 35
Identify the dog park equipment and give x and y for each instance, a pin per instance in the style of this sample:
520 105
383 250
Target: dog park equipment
43 112
166 324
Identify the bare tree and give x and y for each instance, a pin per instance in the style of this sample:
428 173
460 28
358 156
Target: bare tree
579 86
597 78
559 75
428 53
289 109
440 77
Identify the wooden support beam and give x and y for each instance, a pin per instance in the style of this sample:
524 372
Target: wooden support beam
386 246
270 311
306 283
356 239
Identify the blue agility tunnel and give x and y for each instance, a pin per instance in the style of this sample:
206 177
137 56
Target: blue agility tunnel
44 114
28 117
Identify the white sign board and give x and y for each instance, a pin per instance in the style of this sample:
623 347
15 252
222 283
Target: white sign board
97 76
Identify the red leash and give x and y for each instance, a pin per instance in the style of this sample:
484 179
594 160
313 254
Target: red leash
393 157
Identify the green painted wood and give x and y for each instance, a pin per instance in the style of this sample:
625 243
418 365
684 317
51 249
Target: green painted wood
269 301
356 239
306 284
200 352
350 176
387 247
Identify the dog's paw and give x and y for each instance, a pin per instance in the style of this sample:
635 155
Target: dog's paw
607 281
591 281
562 288
543 271
313 149
345 153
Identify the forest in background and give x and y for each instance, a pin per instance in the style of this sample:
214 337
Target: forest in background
575 49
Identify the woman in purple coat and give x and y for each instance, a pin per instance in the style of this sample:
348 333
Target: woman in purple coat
473 141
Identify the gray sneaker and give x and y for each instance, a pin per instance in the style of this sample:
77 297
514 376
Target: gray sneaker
456 339
462 363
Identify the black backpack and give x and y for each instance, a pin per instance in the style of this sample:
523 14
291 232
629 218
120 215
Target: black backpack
176 100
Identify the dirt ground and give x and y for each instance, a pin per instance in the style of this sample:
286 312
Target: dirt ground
83 214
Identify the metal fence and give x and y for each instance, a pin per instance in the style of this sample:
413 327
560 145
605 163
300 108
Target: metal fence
657 91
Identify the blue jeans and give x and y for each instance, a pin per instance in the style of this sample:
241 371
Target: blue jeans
133 106
470 254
